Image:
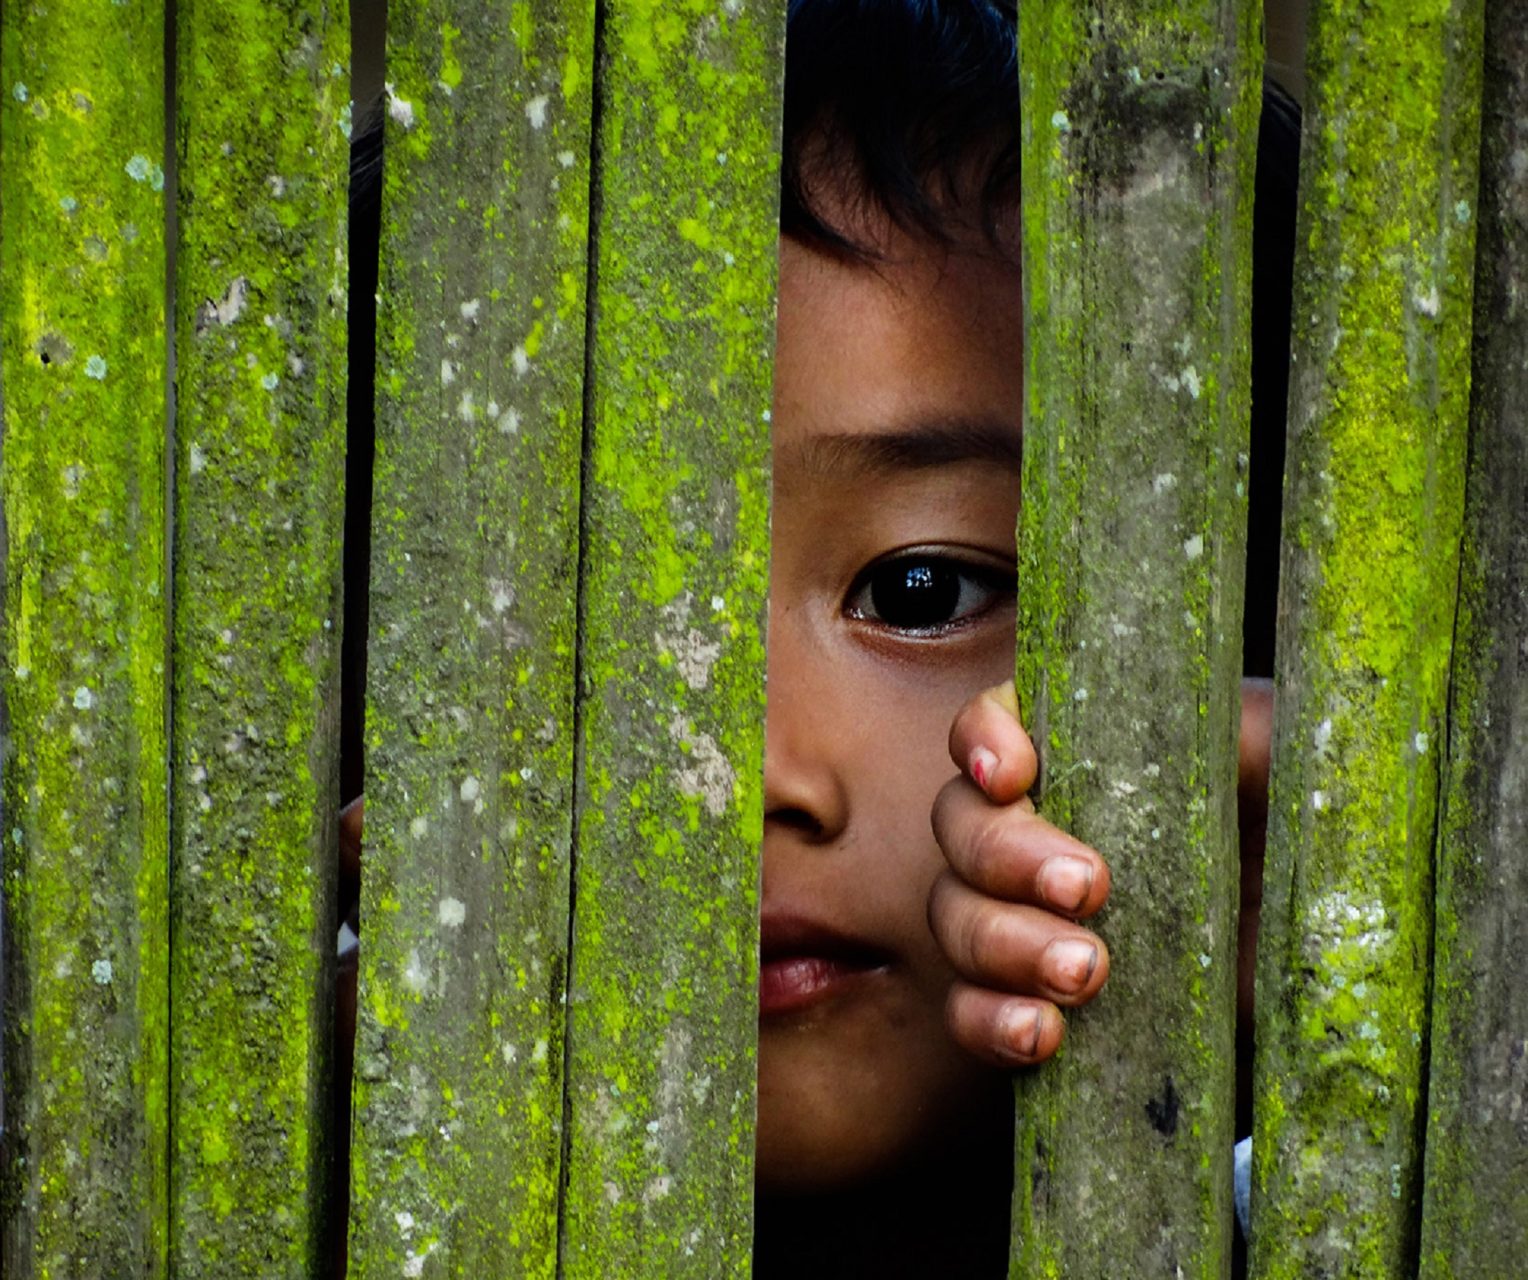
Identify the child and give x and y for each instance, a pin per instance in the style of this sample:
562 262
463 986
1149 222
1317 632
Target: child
908 965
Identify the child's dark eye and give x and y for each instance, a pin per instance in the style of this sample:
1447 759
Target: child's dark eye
926 593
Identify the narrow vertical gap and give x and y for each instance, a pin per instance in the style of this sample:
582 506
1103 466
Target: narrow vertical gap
171 168
368 32
581 613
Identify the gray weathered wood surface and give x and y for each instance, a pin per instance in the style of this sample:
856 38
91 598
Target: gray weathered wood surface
1475 1204
1140 128
480 362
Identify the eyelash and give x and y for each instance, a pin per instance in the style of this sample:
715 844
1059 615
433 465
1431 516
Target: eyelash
937 570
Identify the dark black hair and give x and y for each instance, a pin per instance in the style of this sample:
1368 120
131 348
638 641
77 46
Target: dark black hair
916 100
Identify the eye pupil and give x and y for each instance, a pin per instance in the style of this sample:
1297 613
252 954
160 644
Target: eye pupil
915 594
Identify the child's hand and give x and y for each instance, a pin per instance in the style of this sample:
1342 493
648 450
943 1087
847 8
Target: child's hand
1004 912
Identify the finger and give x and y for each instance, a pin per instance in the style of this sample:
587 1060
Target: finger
352 819
988 744
1254 745
1009 852
1014 948
1007 1031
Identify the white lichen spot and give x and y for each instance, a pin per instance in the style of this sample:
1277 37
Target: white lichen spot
405 1221
521 360
565 159
415 977
277 184
68 204
1318 800
539 1052
23 671
297 365
95 367
418 826
452 913
509 421
1462 212
271 381
84 699
1193 547
1190 381
19 91
1163 482
1429 302
470 309
465 409
1323 734
447 373
657 1189
139 168
400 109
470 790
717 604
1060 122
1205 960
101 972
535 111
613 1193
1079 695
1420 743
347 113
1156 833
500 595
766 416
71 477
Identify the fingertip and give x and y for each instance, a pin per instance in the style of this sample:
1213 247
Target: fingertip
988 743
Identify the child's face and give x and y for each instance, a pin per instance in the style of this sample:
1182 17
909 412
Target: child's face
898 393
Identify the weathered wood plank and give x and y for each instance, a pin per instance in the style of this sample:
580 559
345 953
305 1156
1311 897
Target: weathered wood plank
262 94
663 1000
480 366
1475 1205
1140 124
1372 521
85 827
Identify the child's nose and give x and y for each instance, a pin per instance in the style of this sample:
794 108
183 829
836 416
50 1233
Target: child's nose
805 784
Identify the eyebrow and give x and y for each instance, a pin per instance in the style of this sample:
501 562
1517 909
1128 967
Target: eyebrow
924 445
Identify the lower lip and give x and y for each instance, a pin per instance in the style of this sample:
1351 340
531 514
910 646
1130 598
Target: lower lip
795 982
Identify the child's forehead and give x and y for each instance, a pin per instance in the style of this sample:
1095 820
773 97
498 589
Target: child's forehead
926 334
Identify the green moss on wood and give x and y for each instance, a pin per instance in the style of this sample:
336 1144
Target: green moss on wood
664 976
1372 521
1139 124
260 313
83 1188
480 360
1475 1212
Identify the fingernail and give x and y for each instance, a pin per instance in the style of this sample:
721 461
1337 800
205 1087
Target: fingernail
983 765
1069 963
1065 882
1023 1030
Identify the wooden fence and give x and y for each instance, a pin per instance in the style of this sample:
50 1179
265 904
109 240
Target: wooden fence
569 544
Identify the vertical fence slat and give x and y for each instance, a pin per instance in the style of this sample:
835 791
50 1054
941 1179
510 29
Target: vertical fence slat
1372 521
260 439
1475 1219
664 974
82 385
474 569
1139 142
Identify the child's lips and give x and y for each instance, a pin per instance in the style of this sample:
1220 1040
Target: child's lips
802 962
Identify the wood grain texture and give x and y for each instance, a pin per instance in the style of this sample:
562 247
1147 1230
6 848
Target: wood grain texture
480 363
663 1002
262 103
1372 522
1139 134
83 1186
1475 1205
